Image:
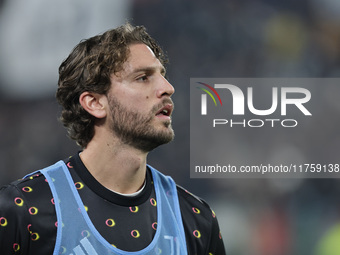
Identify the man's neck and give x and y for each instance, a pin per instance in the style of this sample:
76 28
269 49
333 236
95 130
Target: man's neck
117 167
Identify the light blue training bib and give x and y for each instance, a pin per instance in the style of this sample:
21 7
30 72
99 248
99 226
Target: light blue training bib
76 234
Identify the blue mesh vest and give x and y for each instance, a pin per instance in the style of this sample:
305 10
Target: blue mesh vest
76 234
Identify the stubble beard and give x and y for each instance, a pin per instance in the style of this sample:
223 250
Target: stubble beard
136 130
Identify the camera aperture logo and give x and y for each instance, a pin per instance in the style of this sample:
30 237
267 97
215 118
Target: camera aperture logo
243 105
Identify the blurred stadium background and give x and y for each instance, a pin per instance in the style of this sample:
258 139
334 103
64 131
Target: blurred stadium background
221 38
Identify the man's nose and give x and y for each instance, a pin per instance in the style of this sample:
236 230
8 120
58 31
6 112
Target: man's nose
165 88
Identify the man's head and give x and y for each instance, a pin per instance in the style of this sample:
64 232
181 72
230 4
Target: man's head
89 68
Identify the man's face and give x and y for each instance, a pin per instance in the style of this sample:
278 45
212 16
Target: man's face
140 102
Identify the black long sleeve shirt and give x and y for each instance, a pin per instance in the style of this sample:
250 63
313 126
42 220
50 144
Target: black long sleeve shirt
28 223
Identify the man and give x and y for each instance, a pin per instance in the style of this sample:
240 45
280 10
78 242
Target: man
106 199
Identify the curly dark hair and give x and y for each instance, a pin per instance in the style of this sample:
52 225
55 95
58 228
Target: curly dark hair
88 68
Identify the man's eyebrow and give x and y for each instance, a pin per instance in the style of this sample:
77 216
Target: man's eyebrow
150 70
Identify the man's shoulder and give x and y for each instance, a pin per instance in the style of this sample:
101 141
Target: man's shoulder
188 196
33 183
27 215
200 224
30 180
194 205
31 189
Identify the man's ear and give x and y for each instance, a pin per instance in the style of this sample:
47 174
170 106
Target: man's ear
94 103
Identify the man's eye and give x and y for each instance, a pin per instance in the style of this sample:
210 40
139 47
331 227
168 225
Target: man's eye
142 78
